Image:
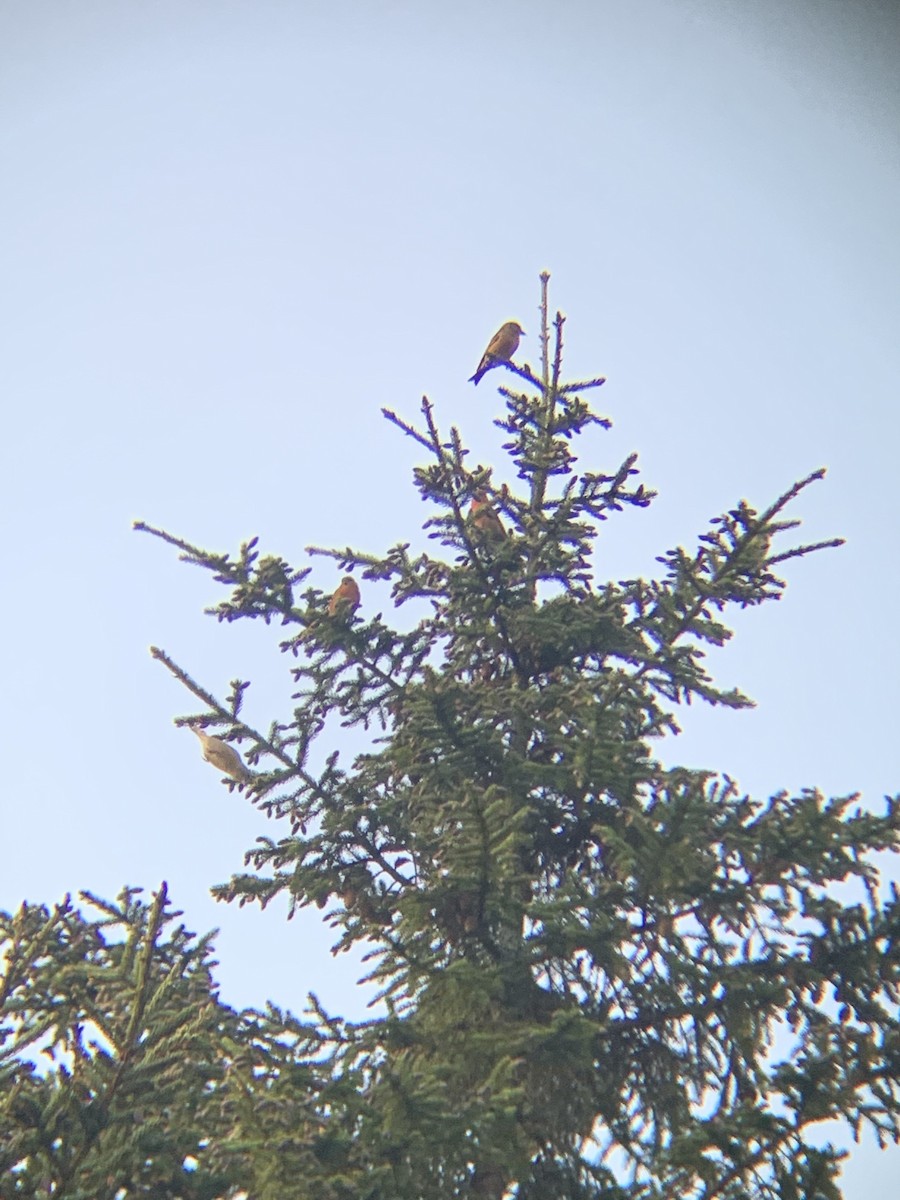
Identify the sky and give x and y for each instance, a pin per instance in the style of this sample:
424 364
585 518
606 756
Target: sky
230 232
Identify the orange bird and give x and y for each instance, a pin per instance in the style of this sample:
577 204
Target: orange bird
501 348
485 519
345 600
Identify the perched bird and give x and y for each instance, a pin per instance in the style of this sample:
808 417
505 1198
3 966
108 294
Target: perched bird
756 550
345 600
222 756
485 519
501 348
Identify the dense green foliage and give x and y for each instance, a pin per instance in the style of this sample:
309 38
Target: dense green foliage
599 977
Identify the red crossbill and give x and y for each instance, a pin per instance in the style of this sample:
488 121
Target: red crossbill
222 756
485 519
345 600
501 348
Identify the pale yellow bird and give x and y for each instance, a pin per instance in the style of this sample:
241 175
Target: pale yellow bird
222 756
501 348
345 600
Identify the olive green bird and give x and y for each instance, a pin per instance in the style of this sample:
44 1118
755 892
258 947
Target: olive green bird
500 349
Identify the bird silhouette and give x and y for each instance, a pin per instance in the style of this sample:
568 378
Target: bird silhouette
345 600
222 756
484 517
500 348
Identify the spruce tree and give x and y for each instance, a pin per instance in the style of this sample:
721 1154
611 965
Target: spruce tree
122 1073
108 1045
598 976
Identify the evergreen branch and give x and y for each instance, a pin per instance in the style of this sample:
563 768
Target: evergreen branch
258 594
791 494
545 423
408 429
368 844
557 363
767 1148
475 553
131 1042
800 551
26 1037
143 983
313 786
385 568
210 700
584 385
719 573
355 641
523 373
190 553
41 941
545 431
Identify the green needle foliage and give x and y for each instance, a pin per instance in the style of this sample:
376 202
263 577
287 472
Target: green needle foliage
121 1073
598 977
106 1032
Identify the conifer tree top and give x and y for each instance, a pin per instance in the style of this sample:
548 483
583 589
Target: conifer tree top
598 977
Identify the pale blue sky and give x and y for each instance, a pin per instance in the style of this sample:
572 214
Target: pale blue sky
231 232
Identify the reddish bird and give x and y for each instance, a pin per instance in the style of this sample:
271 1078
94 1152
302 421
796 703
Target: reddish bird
485 519
345 600
501 348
